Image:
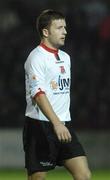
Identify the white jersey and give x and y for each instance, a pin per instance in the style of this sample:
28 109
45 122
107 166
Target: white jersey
48 73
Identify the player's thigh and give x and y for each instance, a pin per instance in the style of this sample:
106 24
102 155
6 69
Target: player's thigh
77 165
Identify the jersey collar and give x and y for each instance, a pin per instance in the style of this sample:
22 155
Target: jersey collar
55 52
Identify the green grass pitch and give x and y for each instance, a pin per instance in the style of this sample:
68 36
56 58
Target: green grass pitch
52 175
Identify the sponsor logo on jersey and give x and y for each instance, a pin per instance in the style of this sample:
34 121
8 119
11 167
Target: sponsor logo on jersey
62 84
54 85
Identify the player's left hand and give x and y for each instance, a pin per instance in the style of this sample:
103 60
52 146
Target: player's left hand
62 132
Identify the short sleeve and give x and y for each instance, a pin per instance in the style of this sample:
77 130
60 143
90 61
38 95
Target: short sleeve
35 75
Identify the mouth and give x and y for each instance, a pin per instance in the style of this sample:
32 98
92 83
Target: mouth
63 38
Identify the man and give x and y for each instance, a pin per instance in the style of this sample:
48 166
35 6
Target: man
48 136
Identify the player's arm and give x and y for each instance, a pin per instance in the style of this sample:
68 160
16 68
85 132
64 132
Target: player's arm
61 131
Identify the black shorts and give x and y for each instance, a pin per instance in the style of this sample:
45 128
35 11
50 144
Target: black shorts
43 150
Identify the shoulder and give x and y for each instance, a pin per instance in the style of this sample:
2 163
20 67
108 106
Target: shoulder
36 53
36 56
64 54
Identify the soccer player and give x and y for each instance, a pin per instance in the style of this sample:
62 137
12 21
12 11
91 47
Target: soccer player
48 136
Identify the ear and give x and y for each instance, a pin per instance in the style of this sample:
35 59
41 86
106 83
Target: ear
45 32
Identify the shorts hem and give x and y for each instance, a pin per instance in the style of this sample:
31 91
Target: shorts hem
30 172
61 163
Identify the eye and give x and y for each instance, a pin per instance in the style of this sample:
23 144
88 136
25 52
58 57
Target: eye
60 27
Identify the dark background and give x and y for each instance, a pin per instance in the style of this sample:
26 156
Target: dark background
88 43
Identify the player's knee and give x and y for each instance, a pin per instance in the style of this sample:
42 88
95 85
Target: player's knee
83 176
87 175
38 176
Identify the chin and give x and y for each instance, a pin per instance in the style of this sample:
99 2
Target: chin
62 44
59 45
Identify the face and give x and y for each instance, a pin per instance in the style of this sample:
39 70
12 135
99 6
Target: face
55 35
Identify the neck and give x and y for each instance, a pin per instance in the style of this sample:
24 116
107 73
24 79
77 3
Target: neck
46 43
54 51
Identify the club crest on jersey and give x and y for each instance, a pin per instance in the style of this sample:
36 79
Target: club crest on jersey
62 69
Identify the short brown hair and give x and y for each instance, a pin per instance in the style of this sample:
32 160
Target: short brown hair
45 18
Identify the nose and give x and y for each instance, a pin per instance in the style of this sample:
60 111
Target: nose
65 31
